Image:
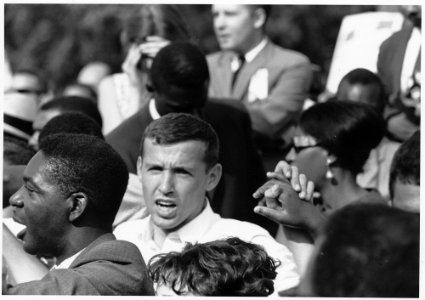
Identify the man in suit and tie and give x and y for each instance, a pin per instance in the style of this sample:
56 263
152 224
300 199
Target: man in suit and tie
272 82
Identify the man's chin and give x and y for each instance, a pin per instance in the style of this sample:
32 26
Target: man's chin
165 225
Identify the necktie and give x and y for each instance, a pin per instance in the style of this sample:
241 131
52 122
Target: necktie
241 59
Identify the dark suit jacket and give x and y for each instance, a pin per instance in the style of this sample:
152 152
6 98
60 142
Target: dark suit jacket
390 60
105 267
289 78
243 171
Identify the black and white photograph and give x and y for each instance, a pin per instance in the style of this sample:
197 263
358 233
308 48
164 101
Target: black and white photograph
212 149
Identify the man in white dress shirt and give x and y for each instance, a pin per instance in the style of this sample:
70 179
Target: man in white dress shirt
178 165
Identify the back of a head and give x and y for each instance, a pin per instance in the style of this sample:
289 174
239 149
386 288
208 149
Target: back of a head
368 250
229 267
85 163
74 104
162 20
362 85
179 76
406 168
71 122
348 130
178 127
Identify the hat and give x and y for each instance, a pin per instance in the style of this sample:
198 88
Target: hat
19 113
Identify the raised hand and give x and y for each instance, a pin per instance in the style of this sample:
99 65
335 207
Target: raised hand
129 66
280 199
152 45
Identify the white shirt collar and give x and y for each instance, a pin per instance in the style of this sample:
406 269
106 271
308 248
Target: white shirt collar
67 262
152 110
195 229
249 56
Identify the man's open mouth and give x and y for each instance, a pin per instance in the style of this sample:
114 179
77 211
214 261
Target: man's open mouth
165 203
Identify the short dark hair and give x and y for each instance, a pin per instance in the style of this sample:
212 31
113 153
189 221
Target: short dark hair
76 104
179 127
366 77
85 163
406 163
71 122
180 72
348 130
16 151
229 267
379 258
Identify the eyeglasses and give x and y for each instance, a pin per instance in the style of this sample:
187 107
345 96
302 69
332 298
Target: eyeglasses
303 142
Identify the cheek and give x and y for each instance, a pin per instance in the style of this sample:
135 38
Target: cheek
312 165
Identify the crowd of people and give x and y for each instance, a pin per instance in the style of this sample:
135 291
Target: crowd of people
208 175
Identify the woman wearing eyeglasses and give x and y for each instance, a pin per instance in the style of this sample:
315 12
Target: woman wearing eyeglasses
331 144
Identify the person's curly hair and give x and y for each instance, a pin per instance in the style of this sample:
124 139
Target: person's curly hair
229 267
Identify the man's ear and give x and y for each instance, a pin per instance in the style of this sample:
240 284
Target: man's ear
259 16
77 205
214 176
139 168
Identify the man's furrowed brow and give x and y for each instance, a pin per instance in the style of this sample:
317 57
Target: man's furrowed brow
28 179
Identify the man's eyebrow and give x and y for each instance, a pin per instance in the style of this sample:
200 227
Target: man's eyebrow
30 180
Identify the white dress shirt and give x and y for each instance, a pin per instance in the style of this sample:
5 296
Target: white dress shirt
209 226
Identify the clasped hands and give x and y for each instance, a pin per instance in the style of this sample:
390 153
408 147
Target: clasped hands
287 199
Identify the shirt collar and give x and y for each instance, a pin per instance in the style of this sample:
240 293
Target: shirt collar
251 54
67 262
152 110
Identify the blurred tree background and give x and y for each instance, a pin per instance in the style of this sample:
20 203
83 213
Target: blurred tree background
59 39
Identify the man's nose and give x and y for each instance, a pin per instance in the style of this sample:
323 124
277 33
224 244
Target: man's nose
167 184
290 157
219 21
15 199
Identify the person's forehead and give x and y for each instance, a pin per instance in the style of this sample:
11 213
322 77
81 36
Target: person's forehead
191 149
36 167
299 132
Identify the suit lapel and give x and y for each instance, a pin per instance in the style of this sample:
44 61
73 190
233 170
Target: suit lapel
225 73
247 71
